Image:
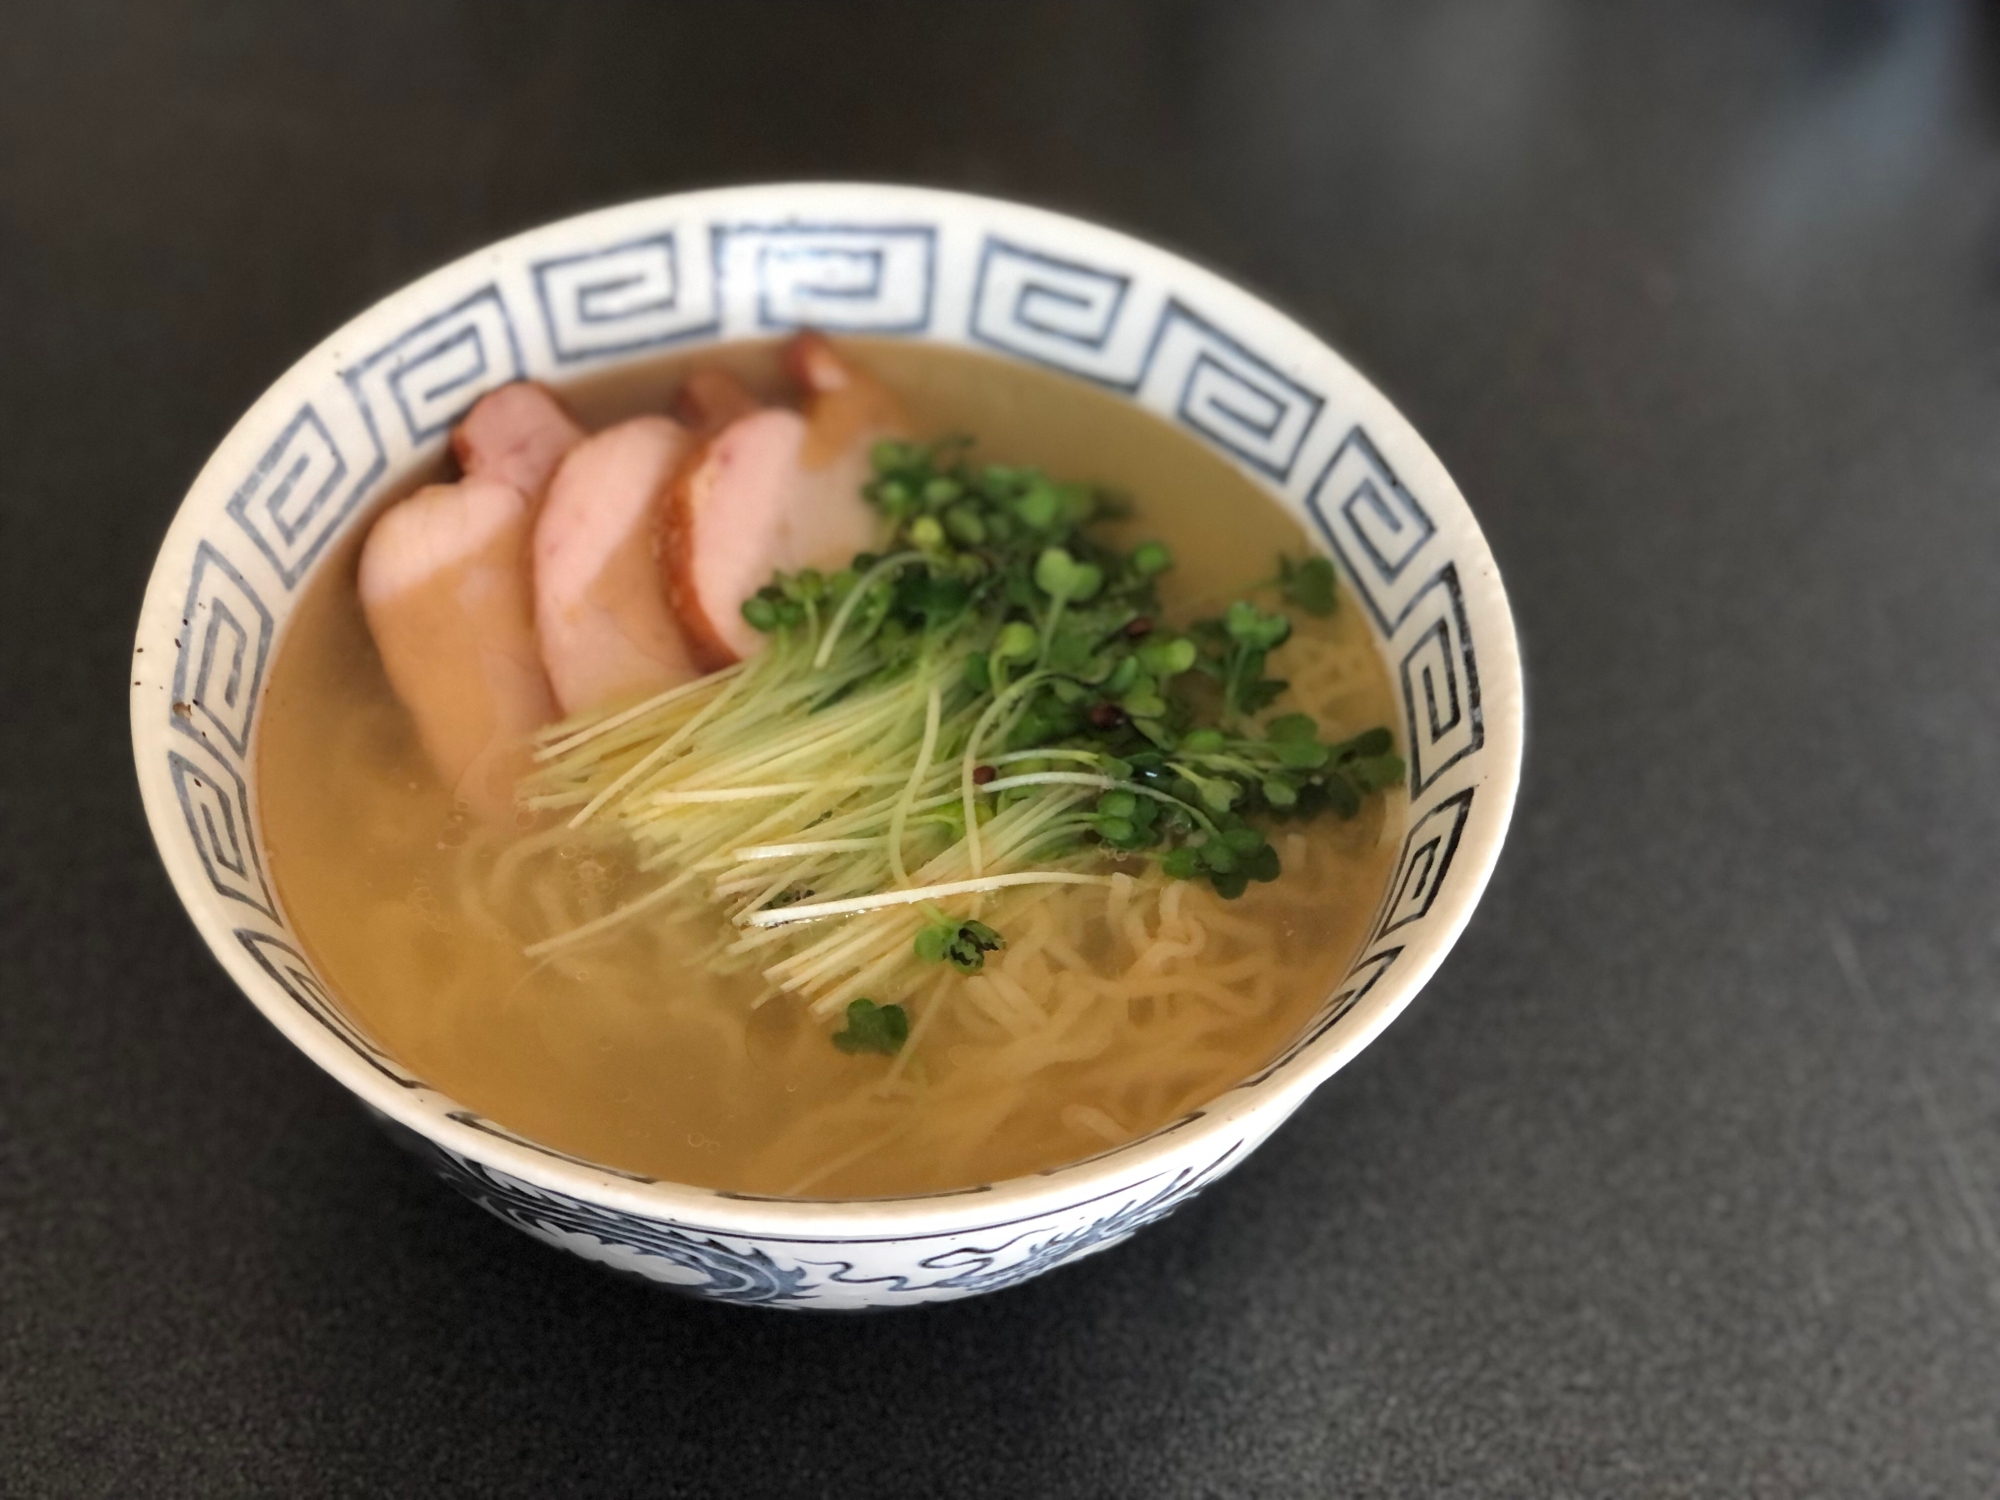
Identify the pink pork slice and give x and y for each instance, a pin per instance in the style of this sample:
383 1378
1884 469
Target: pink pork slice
444 584
773 491
848 411
519 434
607 632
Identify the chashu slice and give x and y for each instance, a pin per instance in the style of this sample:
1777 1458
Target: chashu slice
607 632
709 400
774 491
518 433
444 585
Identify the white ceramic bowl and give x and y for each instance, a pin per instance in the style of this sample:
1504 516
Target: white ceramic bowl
374 402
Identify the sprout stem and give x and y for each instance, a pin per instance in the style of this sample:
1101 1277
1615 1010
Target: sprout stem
933 709
854 597
785 915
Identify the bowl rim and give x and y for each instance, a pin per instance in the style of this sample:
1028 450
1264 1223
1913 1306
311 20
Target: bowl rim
1243 1114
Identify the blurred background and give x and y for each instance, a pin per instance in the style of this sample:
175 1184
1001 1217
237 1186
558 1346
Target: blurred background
1683 1177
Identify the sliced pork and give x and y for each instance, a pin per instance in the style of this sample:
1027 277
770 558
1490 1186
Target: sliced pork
709 400
850 410
607 632
444 584
518 434
774 491
721 528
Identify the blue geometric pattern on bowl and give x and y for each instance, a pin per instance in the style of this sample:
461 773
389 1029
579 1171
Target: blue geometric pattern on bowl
725 1265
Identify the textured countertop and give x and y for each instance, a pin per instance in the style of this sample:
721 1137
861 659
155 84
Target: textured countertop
1682 1178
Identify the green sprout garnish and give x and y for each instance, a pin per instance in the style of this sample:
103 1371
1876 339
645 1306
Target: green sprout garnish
964 945
873 1028
1307 583
993 701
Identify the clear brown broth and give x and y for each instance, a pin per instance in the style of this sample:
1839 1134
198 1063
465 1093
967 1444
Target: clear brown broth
632 1059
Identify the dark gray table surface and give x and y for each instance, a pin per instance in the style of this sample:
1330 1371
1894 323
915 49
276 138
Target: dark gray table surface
1682 1178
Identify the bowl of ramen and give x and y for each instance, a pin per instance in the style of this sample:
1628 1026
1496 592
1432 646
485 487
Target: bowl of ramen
827 745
